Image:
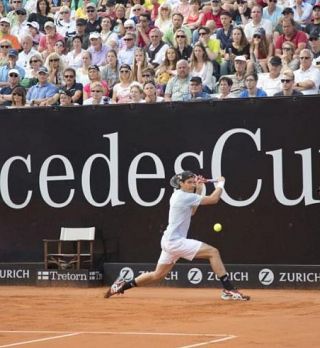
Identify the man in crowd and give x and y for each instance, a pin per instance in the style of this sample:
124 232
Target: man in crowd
156 49
214 14
5 33
302 12
126 54
177 21
272 12
27 51
6 92
238 78
287 85
143 28
257 22
271 82
94 21
12 64
97 49
178 86
195 90
81 32
314 26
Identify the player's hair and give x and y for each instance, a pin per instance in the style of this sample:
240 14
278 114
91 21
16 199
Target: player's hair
182 177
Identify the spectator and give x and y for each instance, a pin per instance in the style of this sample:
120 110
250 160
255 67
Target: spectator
5 33
5 46
110 72
182 45
164 21
18 97
201 66
212 46
65 98
108 37
251 90
39 94
256 23
98 92
97 50
238 78
314 43
196 90
33 30
27 51
272 12
74 57
80 32
314 26
287 85
66 26
238 47
214 14
93 21
135 12
140 62
12 64
42 16
270 82
6 92
144 27
193 19
307 78
55 67
126 55
81 11
47 42
302 12
136 94
260 51
83 72
182 7
224 33
12 15
154 10
121 91
178 86
287 14
242 13
287 57
176 25
225 87
94 76
59 49
31 76
290 33
168 68
19 26
156 49
150 92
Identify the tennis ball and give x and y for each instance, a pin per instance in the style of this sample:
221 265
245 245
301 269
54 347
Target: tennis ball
217 227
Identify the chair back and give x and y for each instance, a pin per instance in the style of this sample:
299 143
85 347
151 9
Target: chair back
77 233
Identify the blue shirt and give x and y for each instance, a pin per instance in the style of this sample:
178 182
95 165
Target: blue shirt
41 92
260 93
198 96
4 71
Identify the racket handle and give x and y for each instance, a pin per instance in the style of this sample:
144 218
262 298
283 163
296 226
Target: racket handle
211 180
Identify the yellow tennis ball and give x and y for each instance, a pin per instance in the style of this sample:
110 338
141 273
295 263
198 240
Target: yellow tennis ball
217 227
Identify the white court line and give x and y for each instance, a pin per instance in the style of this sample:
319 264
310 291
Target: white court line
209 342
38 340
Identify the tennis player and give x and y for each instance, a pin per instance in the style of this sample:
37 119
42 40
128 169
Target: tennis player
184 202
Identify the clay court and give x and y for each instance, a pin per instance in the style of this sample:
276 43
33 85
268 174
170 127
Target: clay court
157 317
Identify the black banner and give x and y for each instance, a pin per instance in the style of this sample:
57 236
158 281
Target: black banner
109 167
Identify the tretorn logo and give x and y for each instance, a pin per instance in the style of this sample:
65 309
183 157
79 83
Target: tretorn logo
266 276
195 276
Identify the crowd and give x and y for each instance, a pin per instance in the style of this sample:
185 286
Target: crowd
83 52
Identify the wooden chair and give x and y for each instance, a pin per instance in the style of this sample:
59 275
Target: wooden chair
73 249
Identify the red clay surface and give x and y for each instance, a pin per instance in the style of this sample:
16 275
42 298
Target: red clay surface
157 317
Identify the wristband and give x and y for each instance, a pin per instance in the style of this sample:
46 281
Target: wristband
220 184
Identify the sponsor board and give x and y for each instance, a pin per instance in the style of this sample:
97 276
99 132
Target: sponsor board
243 276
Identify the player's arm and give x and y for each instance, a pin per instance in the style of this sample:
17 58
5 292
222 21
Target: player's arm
199 189
215 195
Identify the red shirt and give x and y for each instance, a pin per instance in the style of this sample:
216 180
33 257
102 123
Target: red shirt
298 37
209 16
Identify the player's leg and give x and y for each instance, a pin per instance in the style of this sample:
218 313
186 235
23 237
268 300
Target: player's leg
229 292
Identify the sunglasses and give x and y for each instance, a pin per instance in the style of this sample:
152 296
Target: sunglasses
65 12
54 60
256 36
128 27
180 36
69 76
203 33
313 39
136 9
146 75
154 36
90 11
306 58
285 80
13 75
5 46
34 61
286 48
97 91
127 39
20 95
124 71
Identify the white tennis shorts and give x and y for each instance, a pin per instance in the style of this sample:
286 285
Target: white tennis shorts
179 248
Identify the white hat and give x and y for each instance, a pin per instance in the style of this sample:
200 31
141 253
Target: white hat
14 71
5 19
241 58
33 25
94 35
129 23
49 24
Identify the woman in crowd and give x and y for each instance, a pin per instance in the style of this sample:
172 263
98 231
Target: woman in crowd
82 72
150 92
110 72
2 10
42 15
55 67
238 47
33 66
289 61
121 91
108 37
60 48
193 20
74 57
225 85
136 94
260 50
201 66
5 45
94 76
182 45
163 21
140 62
167 69
98 93
18 97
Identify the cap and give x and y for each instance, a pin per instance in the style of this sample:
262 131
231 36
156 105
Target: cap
178 178
81 21
33 25
21 11
14 71
260 31
129 23
66 92
4 20
314 34
94 35
49 24
275 60
93 67
240 58
316 6
196 79
91 4
287 10
215 1
13 53
43 69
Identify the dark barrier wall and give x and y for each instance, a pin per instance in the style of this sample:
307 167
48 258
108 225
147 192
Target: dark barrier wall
109 167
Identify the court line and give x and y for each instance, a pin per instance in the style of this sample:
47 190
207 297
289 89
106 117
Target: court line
38 340
209 342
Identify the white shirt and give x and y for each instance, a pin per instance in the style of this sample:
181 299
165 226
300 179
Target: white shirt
24 58
250 28
312 74
269 85
160 55
180 212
